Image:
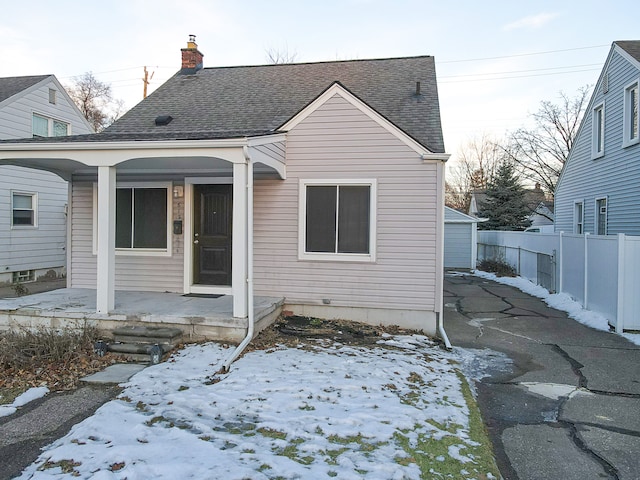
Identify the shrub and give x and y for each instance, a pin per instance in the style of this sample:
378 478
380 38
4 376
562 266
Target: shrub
22 347
499 267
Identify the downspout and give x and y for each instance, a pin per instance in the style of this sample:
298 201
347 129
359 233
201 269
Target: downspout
249 278
440 253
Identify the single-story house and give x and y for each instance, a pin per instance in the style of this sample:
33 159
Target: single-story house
318 183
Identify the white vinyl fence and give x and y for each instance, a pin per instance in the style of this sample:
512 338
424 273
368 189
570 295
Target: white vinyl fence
602 272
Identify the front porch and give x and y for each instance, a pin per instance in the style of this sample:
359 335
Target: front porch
199 317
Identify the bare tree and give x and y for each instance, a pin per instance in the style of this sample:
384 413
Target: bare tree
541 151
281 55
475 167
95 100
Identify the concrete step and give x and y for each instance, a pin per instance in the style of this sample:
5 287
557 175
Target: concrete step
148 334
170 342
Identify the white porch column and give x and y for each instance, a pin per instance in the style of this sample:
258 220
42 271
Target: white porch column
239 241
105 282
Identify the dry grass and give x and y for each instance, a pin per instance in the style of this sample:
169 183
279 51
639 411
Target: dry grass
56 358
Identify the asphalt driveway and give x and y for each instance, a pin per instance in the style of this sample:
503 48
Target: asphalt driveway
569 406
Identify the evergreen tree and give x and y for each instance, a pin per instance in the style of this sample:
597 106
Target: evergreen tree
505 205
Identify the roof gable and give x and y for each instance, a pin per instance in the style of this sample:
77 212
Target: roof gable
338 89
632 48
254 100
11 86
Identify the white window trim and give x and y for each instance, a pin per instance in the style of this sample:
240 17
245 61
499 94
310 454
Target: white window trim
302 221
575 220
139 252
34 207
50 121
597 213
626 124
594 131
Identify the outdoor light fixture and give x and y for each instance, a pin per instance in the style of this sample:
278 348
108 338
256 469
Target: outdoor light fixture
178 191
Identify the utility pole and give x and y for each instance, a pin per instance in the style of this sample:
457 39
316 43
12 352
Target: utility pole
146 81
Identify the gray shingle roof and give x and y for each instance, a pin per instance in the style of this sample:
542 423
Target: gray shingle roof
632 47
232 101
9 86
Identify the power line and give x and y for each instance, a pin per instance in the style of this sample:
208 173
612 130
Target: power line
521 71
523 54
522 76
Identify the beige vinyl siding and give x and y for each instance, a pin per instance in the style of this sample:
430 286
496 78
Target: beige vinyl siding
133 272
338 141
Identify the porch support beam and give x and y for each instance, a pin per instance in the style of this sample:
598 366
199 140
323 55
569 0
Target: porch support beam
105 282
239 241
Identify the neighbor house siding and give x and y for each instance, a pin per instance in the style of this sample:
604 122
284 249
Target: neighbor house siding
42 247
338 141
616 175
133 272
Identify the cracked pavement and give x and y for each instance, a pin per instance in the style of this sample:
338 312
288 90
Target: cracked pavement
569 405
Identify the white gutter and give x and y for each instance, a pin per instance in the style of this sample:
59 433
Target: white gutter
440 253
250 314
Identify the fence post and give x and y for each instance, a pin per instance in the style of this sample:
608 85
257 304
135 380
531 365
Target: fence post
621 275
586 271
560 285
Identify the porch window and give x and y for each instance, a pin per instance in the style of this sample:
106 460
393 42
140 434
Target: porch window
337 220
597 145
631 115
23 209
141 218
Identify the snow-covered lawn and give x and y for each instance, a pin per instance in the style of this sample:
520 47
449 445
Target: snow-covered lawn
559 301
392 411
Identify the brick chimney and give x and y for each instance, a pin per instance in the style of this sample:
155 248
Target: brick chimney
191 57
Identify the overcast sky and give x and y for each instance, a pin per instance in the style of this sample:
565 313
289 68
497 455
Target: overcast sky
495 60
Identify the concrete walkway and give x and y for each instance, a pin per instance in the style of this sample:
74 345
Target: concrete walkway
569 408
37 424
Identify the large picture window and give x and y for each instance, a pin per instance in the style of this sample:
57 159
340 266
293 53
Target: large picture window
337 220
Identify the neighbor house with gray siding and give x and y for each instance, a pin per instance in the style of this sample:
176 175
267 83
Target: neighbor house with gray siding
33 202
320 183
599 189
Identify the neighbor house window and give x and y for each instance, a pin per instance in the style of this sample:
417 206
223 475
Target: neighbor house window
142 218
597 146
48 127
631 115
601 216
337 220
23 209
578 218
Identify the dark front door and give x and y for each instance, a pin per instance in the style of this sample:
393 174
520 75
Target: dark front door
212 234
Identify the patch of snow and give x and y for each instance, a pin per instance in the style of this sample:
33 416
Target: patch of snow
559 301
179 419
553 391
21 400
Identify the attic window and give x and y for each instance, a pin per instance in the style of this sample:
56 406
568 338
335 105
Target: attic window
163 120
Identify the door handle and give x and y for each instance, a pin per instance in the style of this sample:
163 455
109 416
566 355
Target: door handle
196 241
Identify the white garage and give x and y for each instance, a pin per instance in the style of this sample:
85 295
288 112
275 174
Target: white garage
460 240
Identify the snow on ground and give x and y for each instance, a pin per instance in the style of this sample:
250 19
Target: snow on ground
316 412
20 400
559 301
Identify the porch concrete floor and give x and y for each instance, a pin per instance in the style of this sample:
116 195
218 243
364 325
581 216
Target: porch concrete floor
137 307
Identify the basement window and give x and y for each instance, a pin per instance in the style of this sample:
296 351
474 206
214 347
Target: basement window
24 276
